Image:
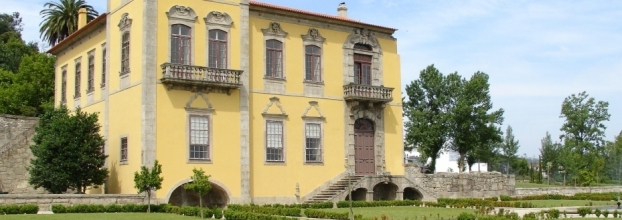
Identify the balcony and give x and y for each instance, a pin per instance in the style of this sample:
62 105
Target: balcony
368 93
200 78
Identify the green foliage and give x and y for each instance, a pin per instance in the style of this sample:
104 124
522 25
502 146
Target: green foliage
68 152
19 209
583 211
30 90
605 213
313 213
268 210
200 184
509 147
60 19
466 216
553 213
346 204
147 181
616 213
505 198
586 178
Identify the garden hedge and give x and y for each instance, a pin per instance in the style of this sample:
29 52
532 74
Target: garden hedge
19 209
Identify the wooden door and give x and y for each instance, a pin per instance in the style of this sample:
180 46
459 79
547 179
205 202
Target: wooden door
364 156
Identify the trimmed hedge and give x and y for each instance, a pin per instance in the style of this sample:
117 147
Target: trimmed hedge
317 205
472 202
313 213
234 215
346 204
579 196
19 209
112 208
268 210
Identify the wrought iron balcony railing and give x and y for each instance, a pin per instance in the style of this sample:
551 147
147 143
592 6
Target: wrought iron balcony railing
188 77
357 92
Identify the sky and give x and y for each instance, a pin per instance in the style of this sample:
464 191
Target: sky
536 52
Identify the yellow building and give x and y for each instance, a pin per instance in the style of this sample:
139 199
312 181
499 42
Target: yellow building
278 105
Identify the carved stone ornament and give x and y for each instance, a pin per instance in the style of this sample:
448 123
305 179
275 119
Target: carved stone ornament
125 21
218 18
363 36
366 110
313 35
275 30
313 104
194 97
274 101
181 12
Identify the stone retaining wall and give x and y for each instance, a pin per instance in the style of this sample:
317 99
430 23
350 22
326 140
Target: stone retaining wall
16 134
569 191
45 201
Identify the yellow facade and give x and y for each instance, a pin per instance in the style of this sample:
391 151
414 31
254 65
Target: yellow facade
152 106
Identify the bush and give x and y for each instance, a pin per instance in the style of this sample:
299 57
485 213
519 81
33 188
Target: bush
19 209
584 211
505 198
59 209
553 213
615 213
530 215
312 213
266 209
466 216
597 212
605 213
217 213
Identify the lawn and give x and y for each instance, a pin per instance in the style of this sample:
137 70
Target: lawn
538 185
99 216
565 203
406 212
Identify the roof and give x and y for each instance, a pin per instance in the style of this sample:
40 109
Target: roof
333 17
77 34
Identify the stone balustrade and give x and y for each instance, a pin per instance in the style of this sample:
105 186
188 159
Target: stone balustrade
357 92
189 76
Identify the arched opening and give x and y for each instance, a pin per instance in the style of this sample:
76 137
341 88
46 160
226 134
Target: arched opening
216 197
385 191
359 194
412 194
364 155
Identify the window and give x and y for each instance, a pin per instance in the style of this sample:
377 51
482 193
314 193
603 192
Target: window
199 137
77 81
313 140
362 69
91 76
125 53
362 47
63 91
103 68
124 149
313 63
274 140
274 59
217 49
180 44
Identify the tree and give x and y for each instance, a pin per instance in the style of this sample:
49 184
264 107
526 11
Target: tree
522 167
12 47
428 112
509 147
68 152
199 184
60 19
148 181
473 124
583 129
31 90
549 152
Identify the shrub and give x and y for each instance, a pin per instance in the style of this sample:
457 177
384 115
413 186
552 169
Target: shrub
217 213
597 212
19 209
584 211
615 213
605 213
530 215
312 213
553 213
466 216
505 198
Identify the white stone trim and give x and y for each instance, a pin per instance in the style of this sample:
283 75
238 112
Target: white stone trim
216 20
362 36
312 120
314 38
149 82
193 111
280 118
185 16
245 173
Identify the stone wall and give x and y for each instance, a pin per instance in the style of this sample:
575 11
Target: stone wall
461 185
569 191
16 134
45 201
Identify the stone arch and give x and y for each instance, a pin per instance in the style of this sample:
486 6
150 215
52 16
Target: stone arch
410 193
362 36
218 196
374 113
359 194
385 191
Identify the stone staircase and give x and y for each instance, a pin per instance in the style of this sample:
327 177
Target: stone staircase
335 189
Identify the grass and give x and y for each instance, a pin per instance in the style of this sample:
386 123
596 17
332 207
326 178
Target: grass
544 185
409 212
566 203
98 216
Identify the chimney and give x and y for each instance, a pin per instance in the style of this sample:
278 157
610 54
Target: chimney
81 18
342 10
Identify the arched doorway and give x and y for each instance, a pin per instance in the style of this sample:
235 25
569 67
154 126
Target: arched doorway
385 191
216 197
412 194
359 194
364 155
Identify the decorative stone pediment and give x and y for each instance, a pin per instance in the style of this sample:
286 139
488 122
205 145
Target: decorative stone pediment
363 36
218 18
274 30
313 35
181 13
314 105
274 101
194 97
125 22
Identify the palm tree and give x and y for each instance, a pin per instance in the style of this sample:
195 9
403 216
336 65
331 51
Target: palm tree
60 19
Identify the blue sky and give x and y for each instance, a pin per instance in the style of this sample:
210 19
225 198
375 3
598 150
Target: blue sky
536 52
